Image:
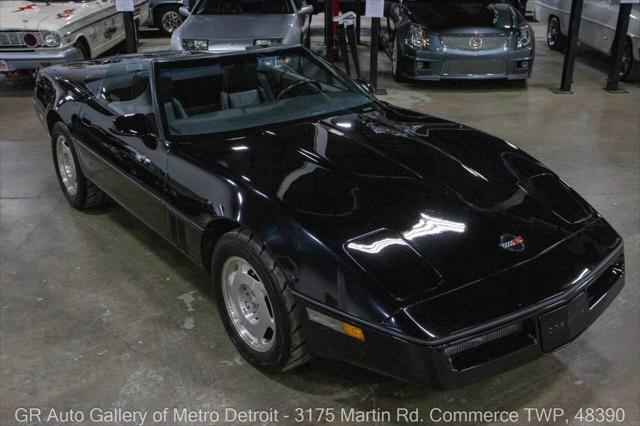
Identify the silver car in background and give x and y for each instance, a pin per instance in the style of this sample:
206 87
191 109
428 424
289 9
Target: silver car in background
227 25
597 29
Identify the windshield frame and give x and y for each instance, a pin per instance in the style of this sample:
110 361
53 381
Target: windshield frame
206 59
200 5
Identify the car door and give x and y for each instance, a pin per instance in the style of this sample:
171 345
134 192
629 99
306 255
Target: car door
591 25
127 165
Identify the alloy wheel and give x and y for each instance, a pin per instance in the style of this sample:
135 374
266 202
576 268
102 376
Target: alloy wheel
248 304
553 32
66 165
170 21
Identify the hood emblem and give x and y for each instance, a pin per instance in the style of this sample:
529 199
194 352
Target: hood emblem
511 242
475 43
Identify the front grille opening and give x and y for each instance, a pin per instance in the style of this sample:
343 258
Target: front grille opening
598 289
491 346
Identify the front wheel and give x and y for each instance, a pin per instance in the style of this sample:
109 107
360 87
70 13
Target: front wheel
77 189
168 19
255 303
555 38
396 70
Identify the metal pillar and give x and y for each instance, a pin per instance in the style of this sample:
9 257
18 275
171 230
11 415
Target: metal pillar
130 32
358 12
618 47
373 68
572 45
328 29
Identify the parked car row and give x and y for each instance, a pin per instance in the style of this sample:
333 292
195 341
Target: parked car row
425 39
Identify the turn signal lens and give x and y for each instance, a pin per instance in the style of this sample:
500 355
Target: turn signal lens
353 331
334 324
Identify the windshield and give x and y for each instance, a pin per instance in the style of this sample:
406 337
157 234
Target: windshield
231 93
239 7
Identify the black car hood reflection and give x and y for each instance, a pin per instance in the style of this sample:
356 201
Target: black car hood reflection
447 191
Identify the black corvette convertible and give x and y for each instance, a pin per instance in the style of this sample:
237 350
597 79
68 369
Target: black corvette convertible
333 223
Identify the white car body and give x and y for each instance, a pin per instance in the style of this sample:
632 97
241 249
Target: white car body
96 23
598 25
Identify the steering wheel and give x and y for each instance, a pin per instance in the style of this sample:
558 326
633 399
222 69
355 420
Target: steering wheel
288 89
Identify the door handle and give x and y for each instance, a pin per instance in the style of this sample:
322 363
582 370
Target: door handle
86 121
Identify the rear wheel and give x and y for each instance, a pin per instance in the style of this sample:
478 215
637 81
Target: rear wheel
630 69
555 38
255 303
168 19
77 189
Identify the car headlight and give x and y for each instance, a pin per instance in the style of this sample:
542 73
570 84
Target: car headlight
195 44
51 39
524 36
419 37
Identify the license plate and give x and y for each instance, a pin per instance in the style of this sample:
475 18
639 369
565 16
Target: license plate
3 65
563 324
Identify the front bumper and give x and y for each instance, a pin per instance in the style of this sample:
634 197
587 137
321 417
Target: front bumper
34 59
484 350
422 64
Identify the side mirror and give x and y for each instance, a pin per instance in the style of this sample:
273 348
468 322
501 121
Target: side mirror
183 11
136 125
365 85
305 10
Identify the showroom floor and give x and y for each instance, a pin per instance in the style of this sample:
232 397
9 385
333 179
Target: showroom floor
98 311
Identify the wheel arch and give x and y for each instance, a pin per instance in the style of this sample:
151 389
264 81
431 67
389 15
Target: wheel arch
52 118
216 229
82 39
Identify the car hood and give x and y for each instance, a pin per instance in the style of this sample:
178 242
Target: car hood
419 203
243 29
467 17
25 15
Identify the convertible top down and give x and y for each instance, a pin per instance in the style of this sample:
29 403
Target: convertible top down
333 223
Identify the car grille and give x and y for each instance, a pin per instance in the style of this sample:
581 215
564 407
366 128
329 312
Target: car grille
12 39
474 43
474 67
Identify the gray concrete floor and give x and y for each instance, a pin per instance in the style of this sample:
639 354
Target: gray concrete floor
97 311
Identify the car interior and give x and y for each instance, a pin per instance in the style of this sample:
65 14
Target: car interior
234 87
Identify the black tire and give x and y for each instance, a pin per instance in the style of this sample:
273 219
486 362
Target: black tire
170 13
289 348
86 194
630 67
555 38
396 65
83 49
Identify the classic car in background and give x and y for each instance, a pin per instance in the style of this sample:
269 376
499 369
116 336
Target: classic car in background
165 14
38 33
458 39
597 29
333 223
227 25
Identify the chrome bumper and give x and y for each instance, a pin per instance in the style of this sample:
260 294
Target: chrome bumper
30 60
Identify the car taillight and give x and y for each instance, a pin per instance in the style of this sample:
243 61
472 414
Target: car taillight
30 39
